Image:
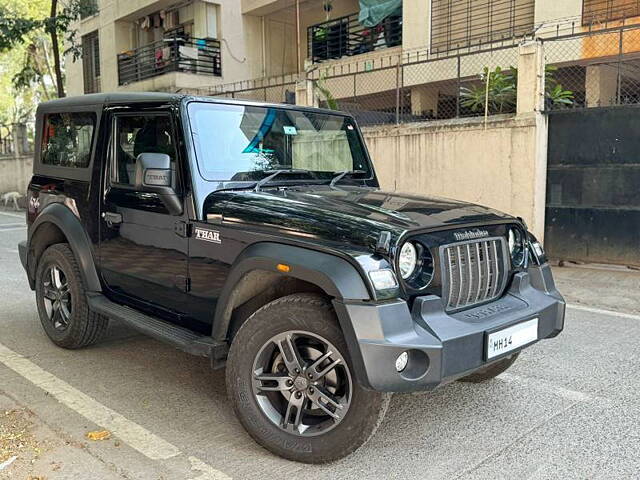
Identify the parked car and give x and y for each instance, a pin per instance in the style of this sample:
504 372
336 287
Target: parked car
257 235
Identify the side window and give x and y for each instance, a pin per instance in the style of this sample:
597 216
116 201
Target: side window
67 139
136 134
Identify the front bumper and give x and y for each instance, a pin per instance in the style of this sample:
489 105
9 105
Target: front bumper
443 347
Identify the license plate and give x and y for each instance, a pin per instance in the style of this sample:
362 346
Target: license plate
508 339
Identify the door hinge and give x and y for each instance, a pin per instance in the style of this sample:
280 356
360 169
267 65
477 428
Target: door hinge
182 229
183 283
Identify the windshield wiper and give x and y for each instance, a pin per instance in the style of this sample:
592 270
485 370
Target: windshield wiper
343 174
274 174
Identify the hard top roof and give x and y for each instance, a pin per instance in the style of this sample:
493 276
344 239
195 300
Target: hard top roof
116 98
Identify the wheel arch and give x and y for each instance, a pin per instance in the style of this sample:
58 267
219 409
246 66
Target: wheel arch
255 280
58 224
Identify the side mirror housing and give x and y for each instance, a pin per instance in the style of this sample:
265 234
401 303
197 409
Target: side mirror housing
154 175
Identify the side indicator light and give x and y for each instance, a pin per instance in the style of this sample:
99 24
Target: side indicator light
283 268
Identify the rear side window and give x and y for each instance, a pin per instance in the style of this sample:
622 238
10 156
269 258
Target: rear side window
67 139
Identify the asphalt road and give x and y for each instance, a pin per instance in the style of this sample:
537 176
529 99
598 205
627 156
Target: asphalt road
569 408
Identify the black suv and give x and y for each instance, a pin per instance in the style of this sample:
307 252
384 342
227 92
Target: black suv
256 235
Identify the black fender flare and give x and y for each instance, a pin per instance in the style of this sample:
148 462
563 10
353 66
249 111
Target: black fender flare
334 275
62 217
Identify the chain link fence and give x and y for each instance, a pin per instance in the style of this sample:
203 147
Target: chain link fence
416 87
593 69
280 89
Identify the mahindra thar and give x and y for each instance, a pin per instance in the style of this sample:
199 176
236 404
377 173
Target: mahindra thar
257 235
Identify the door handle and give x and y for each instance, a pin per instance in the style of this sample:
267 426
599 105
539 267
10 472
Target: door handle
112 218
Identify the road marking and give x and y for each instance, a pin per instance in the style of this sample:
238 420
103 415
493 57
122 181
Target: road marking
24 227
12 215
207 472
134 435
9 225
563 392
604 312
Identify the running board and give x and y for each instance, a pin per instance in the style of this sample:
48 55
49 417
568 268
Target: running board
181 338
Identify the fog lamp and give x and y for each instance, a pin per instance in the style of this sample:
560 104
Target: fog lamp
401 361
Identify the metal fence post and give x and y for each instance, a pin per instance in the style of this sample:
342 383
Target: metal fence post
398 80
458 85
620 52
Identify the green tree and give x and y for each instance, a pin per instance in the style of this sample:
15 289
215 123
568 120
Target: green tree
19 25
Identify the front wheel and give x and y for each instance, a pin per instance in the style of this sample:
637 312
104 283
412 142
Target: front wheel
290 378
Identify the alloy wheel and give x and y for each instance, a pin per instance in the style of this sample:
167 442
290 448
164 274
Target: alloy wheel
302 383
57 297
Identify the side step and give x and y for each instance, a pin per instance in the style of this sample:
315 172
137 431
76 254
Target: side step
181 338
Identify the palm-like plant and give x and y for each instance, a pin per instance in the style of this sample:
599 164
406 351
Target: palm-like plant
501 91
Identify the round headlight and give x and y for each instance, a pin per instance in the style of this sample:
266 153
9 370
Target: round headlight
407 260
516 246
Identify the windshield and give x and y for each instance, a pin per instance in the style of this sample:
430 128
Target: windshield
246 143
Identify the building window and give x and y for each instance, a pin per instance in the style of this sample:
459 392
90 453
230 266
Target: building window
457 24
67 139
597 11
87 8
91 62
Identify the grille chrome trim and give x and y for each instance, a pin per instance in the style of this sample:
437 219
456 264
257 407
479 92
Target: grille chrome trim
473 272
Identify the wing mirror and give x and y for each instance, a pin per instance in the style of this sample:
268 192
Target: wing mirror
154 174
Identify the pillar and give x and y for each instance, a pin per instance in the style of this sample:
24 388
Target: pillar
601 85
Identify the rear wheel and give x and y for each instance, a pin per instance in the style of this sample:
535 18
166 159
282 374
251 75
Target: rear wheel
290 378
491 371
61 300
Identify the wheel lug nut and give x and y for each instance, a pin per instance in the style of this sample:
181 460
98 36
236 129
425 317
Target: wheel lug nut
297 370
298 394
310 375
289 383
311 390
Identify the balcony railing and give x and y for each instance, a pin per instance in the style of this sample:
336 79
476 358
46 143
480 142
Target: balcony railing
345 36
175 54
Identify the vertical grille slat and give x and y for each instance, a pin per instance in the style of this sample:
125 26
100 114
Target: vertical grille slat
473 272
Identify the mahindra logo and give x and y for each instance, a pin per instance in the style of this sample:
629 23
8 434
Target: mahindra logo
470 234
212 236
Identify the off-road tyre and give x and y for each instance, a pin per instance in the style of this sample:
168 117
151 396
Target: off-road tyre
492 370
84 326
314 314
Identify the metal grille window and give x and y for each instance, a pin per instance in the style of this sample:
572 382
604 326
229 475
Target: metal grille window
473 272
459 24
91 62
597 11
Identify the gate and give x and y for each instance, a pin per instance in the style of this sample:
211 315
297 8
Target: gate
593 186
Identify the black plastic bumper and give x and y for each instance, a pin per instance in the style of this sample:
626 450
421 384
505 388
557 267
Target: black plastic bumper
442 347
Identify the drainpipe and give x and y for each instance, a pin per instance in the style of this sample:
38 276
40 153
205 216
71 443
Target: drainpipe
298 35
264 49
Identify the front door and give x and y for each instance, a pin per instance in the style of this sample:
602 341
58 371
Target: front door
143 257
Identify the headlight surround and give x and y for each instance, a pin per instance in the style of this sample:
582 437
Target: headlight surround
407 260
517 247
415 265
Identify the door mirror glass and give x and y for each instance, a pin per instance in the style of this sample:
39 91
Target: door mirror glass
154 174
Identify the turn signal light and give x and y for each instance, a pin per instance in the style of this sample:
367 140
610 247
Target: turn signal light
283 268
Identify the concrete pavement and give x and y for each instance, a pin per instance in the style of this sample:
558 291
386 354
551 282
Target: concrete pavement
567 409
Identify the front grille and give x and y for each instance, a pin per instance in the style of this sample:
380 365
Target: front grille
473 272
